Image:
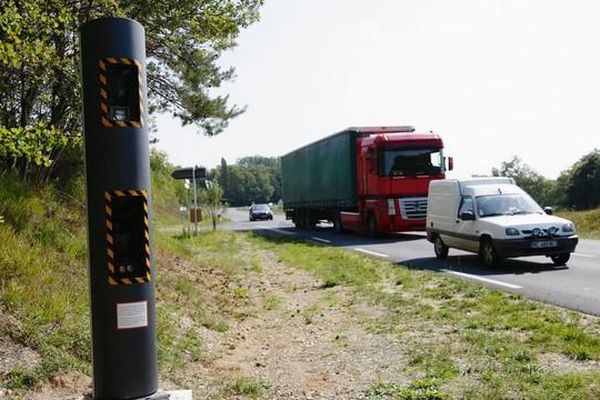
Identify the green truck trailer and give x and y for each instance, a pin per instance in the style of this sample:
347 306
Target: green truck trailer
321 174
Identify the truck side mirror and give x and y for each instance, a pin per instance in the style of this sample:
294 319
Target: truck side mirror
548 210
450 163
467 216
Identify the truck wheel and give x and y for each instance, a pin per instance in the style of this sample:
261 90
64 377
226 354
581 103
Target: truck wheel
487 254
560 259
298 219
372 225
337 223
440 249
308 223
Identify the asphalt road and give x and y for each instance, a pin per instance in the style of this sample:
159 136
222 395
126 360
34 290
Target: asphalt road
574 286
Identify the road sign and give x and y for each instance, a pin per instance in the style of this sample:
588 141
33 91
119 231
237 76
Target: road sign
196 175
188 173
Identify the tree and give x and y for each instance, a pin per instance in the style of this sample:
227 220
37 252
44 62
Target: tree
540 188
40 120
184 42
582 182
212 199
253 179
272 167
224 175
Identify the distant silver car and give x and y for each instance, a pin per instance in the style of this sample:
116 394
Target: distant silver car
261 212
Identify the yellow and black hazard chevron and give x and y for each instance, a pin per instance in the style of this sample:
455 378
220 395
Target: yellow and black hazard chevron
115 277
104 106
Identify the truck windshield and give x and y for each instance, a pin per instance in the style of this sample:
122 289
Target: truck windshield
506 204
403 162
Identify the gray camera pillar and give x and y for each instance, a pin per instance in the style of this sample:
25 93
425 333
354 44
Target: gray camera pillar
113 67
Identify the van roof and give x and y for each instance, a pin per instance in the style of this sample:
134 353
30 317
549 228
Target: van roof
482 186
493 180
490 189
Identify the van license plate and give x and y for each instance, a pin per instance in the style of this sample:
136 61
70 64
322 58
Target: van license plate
544 244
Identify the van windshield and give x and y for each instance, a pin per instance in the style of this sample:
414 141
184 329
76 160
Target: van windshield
506 204
402 162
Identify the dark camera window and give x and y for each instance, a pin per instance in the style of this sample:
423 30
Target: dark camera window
123 92
129 236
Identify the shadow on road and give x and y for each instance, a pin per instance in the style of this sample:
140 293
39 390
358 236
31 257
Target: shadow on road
466 263
338 239
470 264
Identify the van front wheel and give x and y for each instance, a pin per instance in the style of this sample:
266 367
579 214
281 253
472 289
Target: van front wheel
440 249
560 259
487 254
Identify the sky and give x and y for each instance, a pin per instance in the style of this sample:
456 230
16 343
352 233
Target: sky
495 79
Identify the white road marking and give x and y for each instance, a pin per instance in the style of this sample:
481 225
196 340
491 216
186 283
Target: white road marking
318 239
373 253
482 279
584 255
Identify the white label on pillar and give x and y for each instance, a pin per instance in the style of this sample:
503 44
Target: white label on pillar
132 315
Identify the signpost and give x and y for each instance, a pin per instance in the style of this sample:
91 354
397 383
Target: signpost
195 174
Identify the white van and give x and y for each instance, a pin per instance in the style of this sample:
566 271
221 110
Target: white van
495 218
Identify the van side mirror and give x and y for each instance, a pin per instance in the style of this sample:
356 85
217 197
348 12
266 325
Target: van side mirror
467 216
548 210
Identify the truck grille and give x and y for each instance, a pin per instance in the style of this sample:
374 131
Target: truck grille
413 208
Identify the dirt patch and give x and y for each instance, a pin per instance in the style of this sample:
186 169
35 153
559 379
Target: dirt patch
560 363
16 356
310 346
73 386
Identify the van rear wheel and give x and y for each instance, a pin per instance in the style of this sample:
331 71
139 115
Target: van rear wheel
440 249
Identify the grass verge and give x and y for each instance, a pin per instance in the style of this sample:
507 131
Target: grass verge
587 222
463 340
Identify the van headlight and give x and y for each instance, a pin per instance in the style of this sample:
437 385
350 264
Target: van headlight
568 228
512 232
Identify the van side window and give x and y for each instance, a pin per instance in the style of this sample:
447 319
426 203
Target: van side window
466 204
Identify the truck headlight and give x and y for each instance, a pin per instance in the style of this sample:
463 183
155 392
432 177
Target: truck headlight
512 232
391 207
568 228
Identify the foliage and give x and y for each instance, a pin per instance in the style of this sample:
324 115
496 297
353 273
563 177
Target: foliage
538 187
587 222
40 103
39 96
272 165
224 175
184 41
212 198
582 182
253 179
167 192
42 279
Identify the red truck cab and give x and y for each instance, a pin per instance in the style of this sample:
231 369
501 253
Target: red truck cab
394 166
